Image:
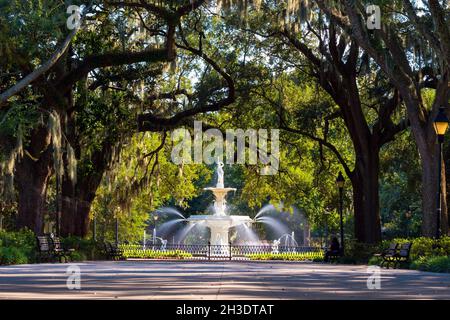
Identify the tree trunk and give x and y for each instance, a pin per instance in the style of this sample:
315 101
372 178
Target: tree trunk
77 199
31 181
430 193
365 183
447 182
75 207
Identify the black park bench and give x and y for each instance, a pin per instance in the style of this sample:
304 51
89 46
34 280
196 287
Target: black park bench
332 255
388 254
50 248
402 254
112 252
60 251
395 254
45 252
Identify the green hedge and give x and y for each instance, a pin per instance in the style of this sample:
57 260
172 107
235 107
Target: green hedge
288 256
131 251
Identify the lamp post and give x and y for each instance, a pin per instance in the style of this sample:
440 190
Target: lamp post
440 126
117 226
408 216
326 214
94 228
340 184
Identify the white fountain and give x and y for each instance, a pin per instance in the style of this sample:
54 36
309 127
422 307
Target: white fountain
220 223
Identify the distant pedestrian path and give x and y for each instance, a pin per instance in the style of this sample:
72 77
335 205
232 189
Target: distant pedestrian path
215 280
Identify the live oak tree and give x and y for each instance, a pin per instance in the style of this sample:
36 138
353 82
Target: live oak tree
56 92
161 109
365 103
53 98
23 116
413 50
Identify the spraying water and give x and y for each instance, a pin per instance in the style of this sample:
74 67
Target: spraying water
181 235
288 240
170 211
266 209
245 235
275 225
167 227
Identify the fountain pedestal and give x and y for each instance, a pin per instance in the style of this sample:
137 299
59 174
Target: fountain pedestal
219 234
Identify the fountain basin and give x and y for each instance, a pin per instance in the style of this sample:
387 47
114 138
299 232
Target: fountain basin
219 226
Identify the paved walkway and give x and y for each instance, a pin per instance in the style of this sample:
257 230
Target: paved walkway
217 280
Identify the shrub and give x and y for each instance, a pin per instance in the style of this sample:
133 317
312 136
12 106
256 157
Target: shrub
17 247
12 255
85 248
426 254
357 252
20 239
421 247
432 264
78 256
375 261
20 247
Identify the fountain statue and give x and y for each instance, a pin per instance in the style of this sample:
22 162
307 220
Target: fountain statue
163 244
275 246
219 174
220 223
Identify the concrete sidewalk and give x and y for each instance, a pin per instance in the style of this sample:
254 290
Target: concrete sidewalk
217 280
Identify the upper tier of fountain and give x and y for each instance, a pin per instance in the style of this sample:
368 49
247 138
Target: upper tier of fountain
220 191
220 203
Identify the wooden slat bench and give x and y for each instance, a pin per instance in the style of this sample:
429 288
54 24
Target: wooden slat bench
112 251
395 254
388 254
60 251
50 248
45 252
402 254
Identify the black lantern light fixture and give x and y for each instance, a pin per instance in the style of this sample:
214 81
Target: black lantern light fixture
440 126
